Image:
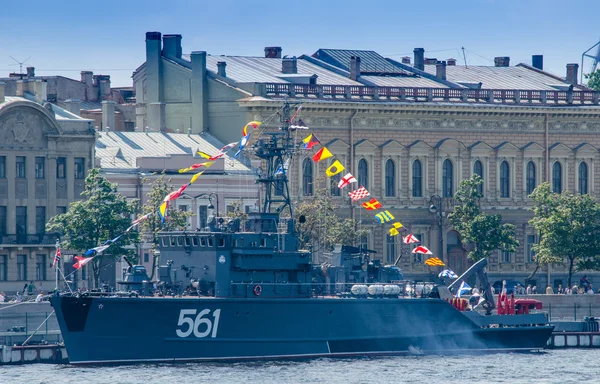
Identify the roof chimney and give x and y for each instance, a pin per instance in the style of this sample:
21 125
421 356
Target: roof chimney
172 46
419 57
1 92
451 61
273 52
502 61
221 68
572 73
30 72
537 61
289 65
406 60
430 61
440 70
354 67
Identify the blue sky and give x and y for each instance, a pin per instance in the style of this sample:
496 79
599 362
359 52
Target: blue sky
107 37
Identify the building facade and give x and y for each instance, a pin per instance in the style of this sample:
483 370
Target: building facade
45 153
409 132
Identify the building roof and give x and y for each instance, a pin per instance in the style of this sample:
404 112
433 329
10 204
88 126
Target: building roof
120 150
245 69
370 61
491 77
59 113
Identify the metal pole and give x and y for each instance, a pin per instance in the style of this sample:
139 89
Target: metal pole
57 245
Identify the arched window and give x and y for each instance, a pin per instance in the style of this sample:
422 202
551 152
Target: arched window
333 187
390 178
556 177
531 181
583 178
478 170
417 179
363 173
307 177
504 179
447 179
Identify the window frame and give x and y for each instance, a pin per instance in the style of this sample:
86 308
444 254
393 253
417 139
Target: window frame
417 178
363 173
390 178
557 184
478 164
447 178
307 177
40 167
504 179
583 181
20 167
530 179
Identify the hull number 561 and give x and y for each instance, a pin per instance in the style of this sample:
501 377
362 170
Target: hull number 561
201 326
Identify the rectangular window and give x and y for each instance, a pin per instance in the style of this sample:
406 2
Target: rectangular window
40 220
3 220
61 167
146 257
3 268
21 167
22 267
79 168
364 242
202 216
60 210
84 273
40 267
417 257
21 225
506 257
40 167
390 248
2 167
531 240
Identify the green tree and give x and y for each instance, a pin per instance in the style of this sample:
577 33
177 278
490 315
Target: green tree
322 227
593 80
102 214
485 232
176 220
568 225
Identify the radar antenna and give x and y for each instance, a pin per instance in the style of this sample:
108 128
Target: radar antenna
20 63
276 149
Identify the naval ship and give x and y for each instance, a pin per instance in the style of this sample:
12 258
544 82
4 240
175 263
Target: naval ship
251 293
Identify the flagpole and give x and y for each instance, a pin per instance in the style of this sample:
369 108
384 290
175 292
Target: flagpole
57 246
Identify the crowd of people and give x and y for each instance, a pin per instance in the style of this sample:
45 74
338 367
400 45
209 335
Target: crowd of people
30 293
584 287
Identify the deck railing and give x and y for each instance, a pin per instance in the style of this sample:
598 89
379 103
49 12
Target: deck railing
488 96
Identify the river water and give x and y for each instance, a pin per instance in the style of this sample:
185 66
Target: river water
565 366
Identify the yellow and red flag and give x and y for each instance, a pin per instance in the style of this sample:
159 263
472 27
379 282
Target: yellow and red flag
322 155
372 204
252 124
196 166
434 261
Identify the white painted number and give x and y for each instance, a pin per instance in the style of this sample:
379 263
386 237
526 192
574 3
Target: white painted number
201 326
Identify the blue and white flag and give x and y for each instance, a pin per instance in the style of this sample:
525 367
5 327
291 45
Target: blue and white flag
242 145
97 250
449 274
464 289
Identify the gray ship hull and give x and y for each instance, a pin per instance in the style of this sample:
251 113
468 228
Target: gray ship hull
128 330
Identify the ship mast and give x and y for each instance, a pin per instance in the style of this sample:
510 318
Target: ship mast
276 149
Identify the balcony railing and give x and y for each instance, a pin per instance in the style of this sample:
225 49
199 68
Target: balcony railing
25 239
487 96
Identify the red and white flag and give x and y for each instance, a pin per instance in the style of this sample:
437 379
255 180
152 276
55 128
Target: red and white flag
360 193
423 250
346 180
81 261
410 238
56 258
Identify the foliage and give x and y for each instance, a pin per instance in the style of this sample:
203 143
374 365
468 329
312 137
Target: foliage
593 80
237 211
102 215
176 220
568 225
322 227
485 232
